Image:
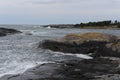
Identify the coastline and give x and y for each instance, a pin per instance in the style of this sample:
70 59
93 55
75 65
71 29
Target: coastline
71 69
85 27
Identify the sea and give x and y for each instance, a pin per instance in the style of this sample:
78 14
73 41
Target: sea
20 52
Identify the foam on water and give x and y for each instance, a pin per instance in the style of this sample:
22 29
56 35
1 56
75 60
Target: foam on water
18 68
48 27
18 52
82 56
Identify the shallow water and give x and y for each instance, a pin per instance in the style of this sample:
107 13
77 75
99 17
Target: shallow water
19 52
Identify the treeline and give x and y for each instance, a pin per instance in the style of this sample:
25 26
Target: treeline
107 23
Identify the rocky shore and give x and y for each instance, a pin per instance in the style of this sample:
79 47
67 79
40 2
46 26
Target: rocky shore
6 31
93 69
93 44
105 65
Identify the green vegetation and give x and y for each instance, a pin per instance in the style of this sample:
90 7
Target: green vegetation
99 24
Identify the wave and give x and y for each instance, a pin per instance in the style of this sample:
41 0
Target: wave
82 56
19 68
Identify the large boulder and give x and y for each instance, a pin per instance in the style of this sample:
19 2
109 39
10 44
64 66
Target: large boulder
6 31
90 36
84 48
94 44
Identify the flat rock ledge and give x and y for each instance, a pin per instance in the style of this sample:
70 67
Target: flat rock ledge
6 31
93 69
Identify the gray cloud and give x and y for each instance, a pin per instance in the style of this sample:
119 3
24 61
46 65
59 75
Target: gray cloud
50 1
61 9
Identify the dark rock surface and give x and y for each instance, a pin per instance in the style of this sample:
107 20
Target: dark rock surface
94 69
114 46
93 48
6 31
84 48
94 44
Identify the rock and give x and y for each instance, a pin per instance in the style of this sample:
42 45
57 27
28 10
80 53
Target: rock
111 49
84 48
2 34
6 31
90 36
94 44
115 46
108 77
28 33
70 70
98 68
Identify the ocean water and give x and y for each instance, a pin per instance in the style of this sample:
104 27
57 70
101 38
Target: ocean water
19 52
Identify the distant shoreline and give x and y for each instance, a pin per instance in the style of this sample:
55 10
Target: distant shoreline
85 27
90 25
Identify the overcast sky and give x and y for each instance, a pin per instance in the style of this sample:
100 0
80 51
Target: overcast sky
57 11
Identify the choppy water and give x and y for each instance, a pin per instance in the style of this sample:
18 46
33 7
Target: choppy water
19 52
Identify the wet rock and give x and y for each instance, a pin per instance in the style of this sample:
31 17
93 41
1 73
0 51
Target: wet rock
28 33
108 77
92 69
94 44
109 49
84 48
6 31
114 46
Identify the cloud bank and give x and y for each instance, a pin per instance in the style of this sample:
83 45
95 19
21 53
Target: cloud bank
58 11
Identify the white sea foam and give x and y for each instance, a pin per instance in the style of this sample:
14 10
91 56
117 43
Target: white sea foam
82 56
48 27
19 67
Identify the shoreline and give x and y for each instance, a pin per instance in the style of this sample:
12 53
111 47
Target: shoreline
74 69
85 27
